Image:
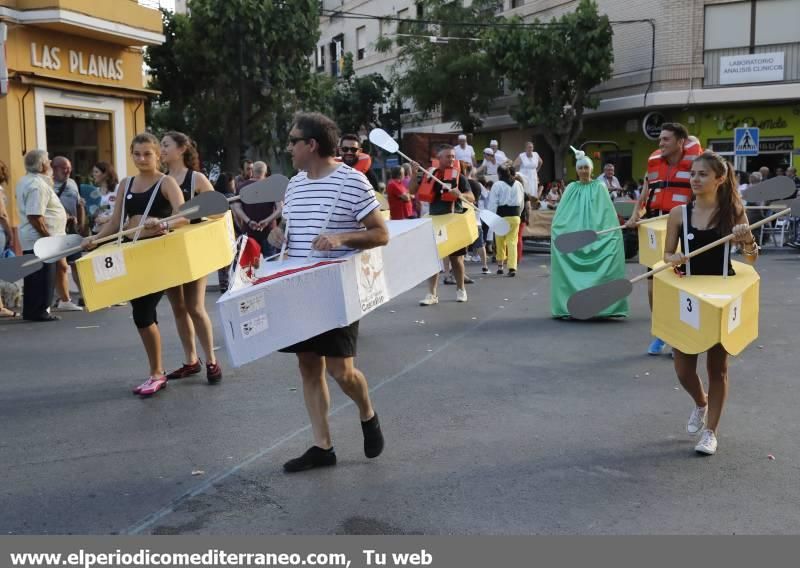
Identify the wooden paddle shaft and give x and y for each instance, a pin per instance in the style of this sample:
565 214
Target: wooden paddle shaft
709 246
642 222
119 234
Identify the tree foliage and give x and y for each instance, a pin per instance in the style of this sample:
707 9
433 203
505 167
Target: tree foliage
231 74
357 102
554 68
456 77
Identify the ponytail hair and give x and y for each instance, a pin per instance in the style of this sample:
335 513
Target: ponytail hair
190 157
729 202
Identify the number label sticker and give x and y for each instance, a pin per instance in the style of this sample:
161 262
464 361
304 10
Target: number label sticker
251 304
109 266
441 235
253 327
734 314
651 239
690 310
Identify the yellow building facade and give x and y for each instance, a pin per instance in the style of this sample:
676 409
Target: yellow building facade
72 81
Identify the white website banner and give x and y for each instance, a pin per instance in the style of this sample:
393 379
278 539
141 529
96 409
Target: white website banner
751 68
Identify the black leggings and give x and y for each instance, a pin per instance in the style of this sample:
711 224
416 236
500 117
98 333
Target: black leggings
144 309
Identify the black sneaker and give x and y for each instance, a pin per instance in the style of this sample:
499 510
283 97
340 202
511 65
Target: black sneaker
373 437
512 272
468 280
313 458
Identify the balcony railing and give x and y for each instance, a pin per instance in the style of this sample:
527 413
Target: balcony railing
791 61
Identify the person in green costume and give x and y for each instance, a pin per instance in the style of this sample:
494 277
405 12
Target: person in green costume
586 205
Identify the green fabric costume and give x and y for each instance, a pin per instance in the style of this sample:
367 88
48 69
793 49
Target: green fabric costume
586 206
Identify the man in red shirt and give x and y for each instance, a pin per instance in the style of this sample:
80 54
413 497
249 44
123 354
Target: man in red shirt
400 205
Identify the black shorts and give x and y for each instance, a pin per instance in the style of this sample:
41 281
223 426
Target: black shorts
460 252
339 342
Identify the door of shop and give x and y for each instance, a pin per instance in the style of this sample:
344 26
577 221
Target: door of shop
84 137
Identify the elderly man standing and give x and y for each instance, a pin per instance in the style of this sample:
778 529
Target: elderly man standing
42 215
499 156
67 191
465 152
257 219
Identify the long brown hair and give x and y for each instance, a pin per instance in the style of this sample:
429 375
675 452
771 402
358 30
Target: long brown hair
729 203
3 172
190 157
111 174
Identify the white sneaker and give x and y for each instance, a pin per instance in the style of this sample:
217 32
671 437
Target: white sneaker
697 420
707 444
461 295
429 300
68 306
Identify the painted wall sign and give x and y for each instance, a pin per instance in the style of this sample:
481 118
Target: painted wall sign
89 64
752 68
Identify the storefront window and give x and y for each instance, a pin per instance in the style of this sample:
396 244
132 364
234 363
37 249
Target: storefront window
773 153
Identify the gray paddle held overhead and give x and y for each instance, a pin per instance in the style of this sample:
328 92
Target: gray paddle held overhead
268 190
51 247
18 267
779 187
586 304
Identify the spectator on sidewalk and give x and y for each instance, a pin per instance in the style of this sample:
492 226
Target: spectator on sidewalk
67 191
400 203
41 215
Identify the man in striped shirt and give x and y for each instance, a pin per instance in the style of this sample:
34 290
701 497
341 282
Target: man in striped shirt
330 210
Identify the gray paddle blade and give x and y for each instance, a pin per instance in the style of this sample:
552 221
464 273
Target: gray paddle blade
794 204
381 138
50 249
267 190
779 187
586 304
18 267
570 242
204 204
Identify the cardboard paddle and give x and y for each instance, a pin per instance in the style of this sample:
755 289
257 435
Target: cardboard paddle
203 205
267 190
586 304
779 187
570 242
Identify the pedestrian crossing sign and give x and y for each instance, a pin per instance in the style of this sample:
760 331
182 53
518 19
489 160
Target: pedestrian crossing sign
745 141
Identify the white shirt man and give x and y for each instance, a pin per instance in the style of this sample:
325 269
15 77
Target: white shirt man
465 152
489 165
499 156
611 181
36 197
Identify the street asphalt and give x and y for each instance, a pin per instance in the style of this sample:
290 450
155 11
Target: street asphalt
498 420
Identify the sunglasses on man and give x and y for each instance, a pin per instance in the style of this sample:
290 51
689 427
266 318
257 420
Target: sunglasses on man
348 150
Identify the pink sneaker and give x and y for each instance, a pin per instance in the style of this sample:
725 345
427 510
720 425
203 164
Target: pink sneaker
151 386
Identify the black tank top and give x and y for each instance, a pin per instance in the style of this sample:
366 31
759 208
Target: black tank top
186 188
136 203
709 263
186 185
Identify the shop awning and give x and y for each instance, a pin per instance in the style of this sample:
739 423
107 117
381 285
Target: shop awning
83 87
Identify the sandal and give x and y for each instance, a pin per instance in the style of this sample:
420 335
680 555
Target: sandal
6 313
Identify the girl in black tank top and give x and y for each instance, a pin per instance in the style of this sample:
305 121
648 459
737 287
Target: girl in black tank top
188 300
164 197
709 263
717 202
136 203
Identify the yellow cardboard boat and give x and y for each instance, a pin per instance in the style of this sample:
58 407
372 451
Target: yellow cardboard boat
694 313
454 231
117 273
652 238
